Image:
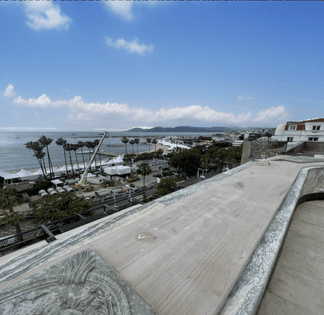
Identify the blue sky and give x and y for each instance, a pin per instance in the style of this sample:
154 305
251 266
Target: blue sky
115 65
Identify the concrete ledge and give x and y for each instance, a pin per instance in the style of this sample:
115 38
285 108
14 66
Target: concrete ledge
247 294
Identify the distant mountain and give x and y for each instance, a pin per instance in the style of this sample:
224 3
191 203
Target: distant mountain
184 129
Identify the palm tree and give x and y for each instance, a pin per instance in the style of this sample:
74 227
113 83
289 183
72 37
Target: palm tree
206 159
40 157
132 142
154 141
68 147
220 155
144 170
38 153
148 140
88 144
81 144
9 199
137 142
45 142
125 140
159 153
61 142
13 219
74 147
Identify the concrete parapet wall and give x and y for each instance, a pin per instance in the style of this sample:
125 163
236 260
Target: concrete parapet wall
260 149
313 146
307 146
246 152
247 294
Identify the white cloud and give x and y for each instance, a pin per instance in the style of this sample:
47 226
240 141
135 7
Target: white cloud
272 114
42 101
121 8
242 98
132 47
46 15
25 128
9 91
115 115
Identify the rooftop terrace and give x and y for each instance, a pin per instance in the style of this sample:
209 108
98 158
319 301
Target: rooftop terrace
207 249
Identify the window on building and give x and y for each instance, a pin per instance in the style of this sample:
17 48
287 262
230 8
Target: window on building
312 138
292 127
290 139
316 127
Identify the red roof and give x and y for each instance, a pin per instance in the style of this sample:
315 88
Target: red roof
312 120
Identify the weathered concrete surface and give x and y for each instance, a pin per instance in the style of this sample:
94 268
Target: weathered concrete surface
81 284
184 253
246 296
297 284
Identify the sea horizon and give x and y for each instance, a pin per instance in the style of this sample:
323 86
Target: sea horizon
15 156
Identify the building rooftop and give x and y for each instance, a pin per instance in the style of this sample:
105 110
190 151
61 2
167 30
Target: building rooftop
206 249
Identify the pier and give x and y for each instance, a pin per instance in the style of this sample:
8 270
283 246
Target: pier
101 152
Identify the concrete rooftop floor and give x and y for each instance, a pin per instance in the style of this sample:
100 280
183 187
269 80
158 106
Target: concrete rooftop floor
296 286
183 253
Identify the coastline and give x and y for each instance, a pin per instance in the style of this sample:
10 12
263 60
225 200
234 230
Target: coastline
158 146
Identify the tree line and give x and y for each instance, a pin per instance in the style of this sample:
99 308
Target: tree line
212 157
125 140
189 160
43 142
44 210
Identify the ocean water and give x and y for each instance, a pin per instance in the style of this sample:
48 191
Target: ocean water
14 155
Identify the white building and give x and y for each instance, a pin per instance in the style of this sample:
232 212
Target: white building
155 165
118 170
298 131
